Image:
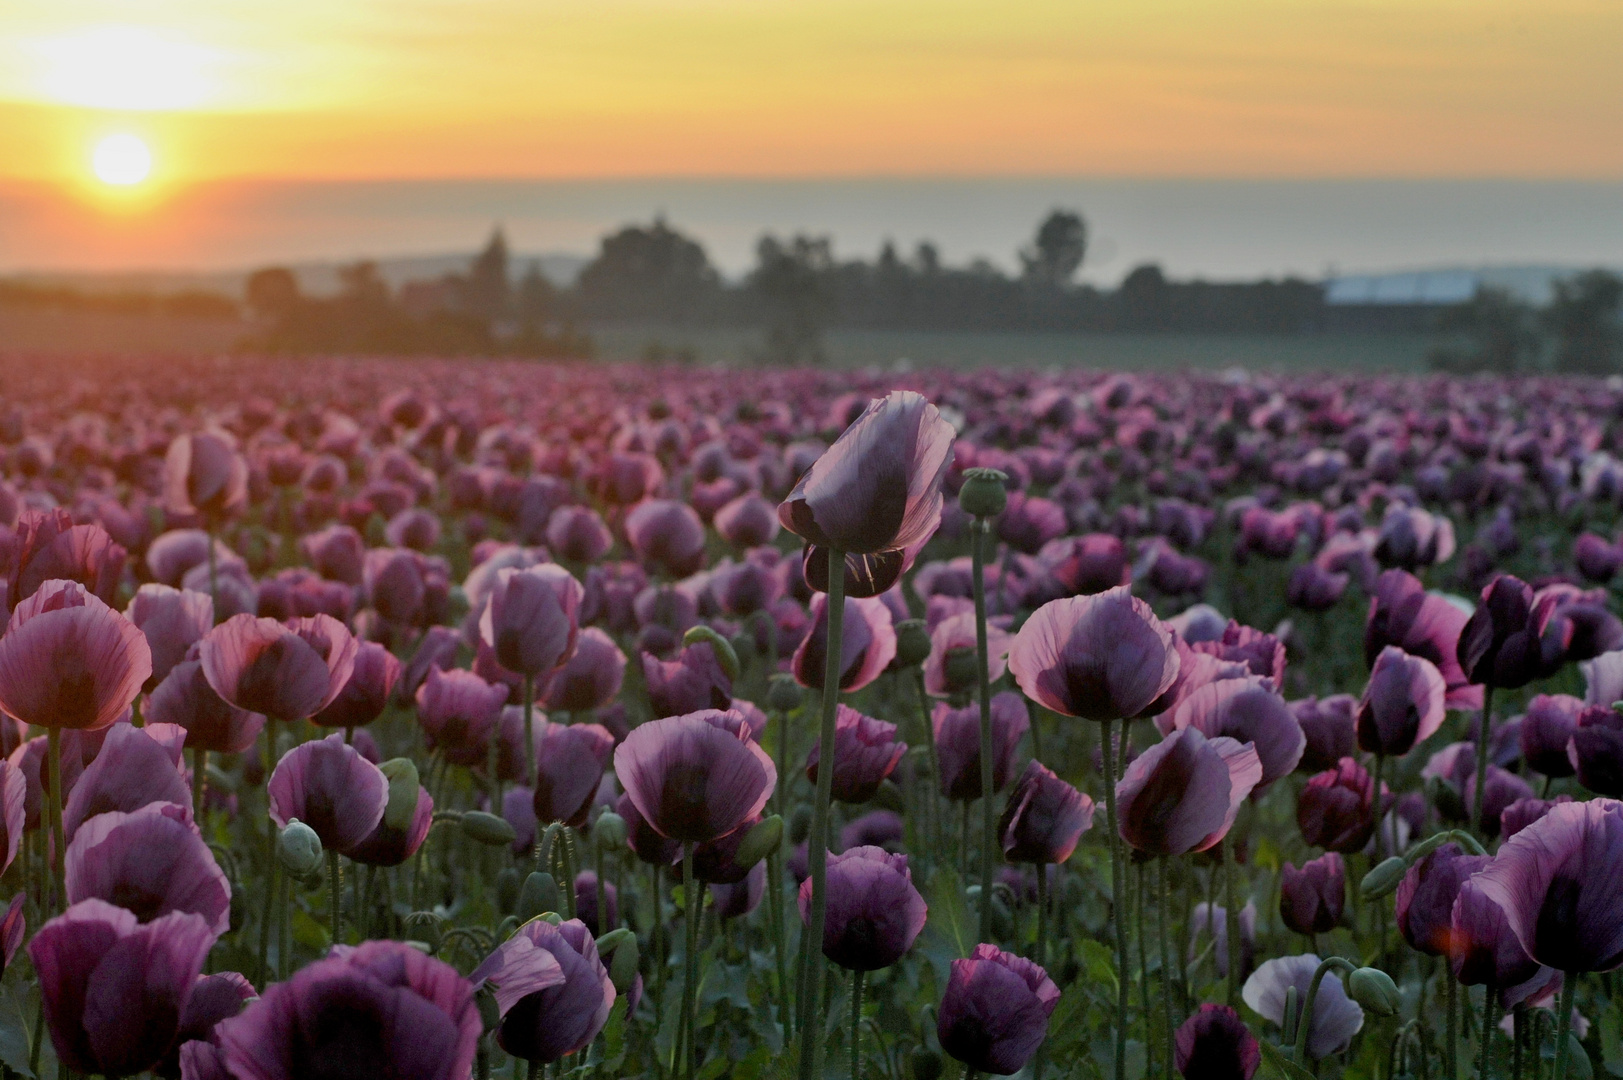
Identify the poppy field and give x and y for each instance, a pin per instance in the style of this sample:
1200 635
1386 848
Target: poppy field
434 720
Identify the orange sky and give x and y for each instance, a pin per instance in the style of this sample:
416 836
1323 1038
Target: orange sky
551 88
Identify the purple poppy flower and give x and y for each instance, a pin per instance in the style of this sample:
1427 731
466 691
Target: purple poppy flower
172 620
570 759
1248 711
1603 678
1411 538
285 671
1215 1044
994 1012
458 712
1558 881
865 752
1595 751
645 843
1482 950
748 521
696 777
1404 614
1403 703
186 699
958 744
1183 793
29 759
951 668
1499 645
1425 898
1100 657
586 903
215 999
150 862
1596 558
667 536
1547 727
1045 818
49 546
874 912
1330 728
366 693
13 812
743 588
204 474
736 899
875 495
67 660
1523 812
1087 565
532 618
1500 788
1312 899
1336 809
393 581
114 989
136 766
695 680
1576 625
1336 1017
591 678
337 552
331 788
1315 588
553 992
1212 920
876 828
1028 522
577 533
1262 654
379 1009
389 846
867 644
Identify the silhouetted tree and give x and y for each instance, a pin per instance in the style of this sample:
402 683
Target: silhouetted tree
1500 334
486 293
653 274
272 293
1057 250
791 281
1586 317
535 301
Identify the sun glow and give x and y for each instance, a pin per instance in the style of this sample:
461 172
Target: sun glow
121 160
125 68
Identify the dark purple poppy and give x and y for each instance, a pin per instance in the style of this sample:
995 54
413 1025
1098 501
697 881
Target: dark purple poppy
667 536
1576 625
13 812
1482 950
151 862
284 671
1425 898
186 700
1028 522
1215 1044
1247 710
1411 538
577 533
1499 645
876 828
1595 751
172 620
1500 788
1547 728
1045 818
952 667
458 712
1330 728
215 999
737 899
337 552
569 764
67 660
204 474
391 846
1262 654
1404 614
1183 793
1523 812
1090 564
331 788
874 912
135 766
1403 703
49 546
436 649
1596 558
115 989
958 744
379 1009
591 678
645 843
552 991
695 680
866 751
994 1012
748 521
532 618
1314 588
1100 657
697 777
366 693
1336 809
1558 881
1312 899
867 644
29 759
586 903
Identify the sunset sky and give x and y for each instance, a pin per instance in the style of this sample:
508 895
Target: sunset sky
542 88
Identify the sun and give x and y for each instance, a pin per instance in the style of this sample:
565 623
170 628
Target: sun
121 160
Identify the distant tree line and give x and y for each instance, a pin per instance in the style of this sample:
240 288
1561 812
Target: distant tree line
195 304
1580 331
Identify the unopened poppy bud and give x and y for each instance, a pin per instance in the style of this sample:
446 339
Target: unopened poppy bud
1443 795
725 656
984 493
924 1064
620 948
784 693
610 831
507 887
962 667
487 828
743 647
912 643
539 894
300 849
1374 990
490 1014
763 839
1578 1064
403 788
800 823
1382 880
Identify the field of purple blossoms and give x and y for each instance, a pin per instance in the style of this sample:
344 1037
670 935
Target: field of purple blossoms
436 720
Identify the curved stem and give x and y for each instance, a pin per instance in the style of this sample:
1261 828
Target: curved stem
1117 914
817 848
1563 1022
856 1025
1304 1024
1482 760
988 818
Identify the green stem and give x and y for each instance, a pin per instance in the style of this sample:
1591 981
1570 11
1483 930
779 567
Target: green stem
58 847
1482 761
774 886
988 818
1042 914
1563 1022
284 934
1451 1051
1304 1025
1232 916
529 734
856 1025
1118 915
690 959
603 923
1489 1019
1166 958
932 790
1518 1037
337 896
271 861
1150 1042
817 849
200 764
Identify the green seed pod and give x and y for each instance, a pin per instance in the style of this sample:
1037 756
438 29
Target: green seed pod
618 949
762 840
404 785
912 643
1374 990
1382 880
984 493
609 833
962 667
300 849
487 828
784 694
508 884
539 893
800 823
743 644
724 648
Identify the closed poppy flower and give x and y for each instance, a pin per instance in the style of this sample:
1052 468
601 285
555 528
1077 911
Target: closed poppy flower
695 680
1424 901
296 593
1500 788
394 582
1336 1017
1212 920
952 666
958 744
867 644
1183 793
1595 751
552 991
1101 657
1596 558
874 912
50 547
569 764
1523 812
1423 624
67 660
366 693
1576 625
114 989
748 521
1482 949
696 777
135 766
1312 899
204 474
1044 819
338 553
667 537
1247 710
331 788
1547 728
151 862
437 648
413 528
592 676
1411 538
391 846
739 898
744 588
186 699
285 671
647 844
381 1008
1336 809
1029 521
866 751
994 1012
578 534
875 495
1314 588
532 619
1215 1044
1499 645
172 620
1402 703
458 712
1330 728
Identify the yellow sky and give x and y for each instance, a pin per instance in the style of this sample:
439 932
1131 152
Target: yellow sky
544 88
